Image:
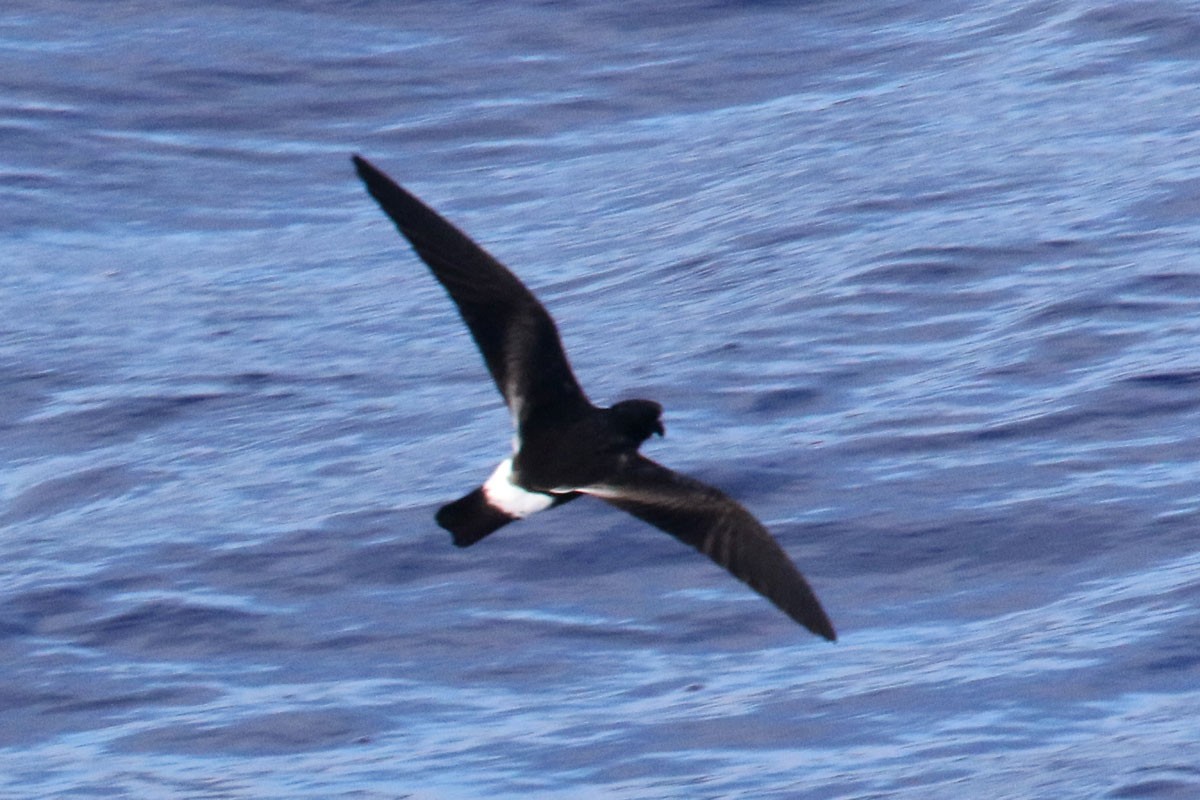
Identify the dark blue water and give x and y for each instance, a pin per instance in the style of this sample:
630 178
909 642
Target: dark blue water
919 284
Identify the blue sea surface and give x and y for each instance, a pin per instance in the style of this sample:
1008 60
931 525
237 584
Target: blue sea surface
917 282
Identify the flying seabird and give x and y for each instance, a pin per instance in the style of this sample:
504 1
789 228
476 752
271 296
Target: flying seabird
564 446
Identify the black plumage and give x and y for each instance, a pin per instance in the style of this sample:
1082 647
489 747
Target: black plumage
565 445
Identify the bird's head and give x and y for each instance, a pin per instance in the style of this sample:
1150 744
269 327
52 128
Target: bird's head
638 419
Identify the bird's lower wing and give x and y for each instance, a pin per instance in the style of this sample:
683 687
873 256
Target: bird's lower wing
514 332
716 525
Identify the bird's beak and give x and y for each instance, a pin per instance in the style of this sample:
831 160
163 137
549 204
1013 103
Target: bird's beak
658 428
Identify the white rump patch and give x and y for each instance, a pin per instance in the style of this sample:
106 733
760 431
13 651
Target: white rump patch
505 495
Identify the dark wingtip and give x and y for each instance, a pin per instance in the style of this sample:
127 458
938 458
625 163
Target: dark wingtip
819 623
365 169
807 610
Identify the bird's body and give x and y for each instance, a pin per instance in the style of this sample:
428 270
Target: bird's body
564 445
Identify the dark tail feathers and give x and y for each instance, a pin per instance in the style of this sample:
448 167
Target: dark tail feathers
470 518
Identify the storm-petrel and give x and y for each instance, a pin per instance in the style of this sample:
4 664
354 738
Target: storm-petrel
564 446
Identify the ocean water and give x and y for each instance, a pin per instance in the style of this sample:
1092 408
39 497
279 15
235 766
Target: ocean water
917 282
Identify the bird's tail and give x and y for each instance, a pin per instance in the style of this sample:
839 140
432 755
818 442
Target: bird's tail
470 518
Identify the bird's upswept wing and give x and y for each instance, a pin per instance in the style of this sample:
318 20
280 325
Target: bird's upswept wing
716 525
514 332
